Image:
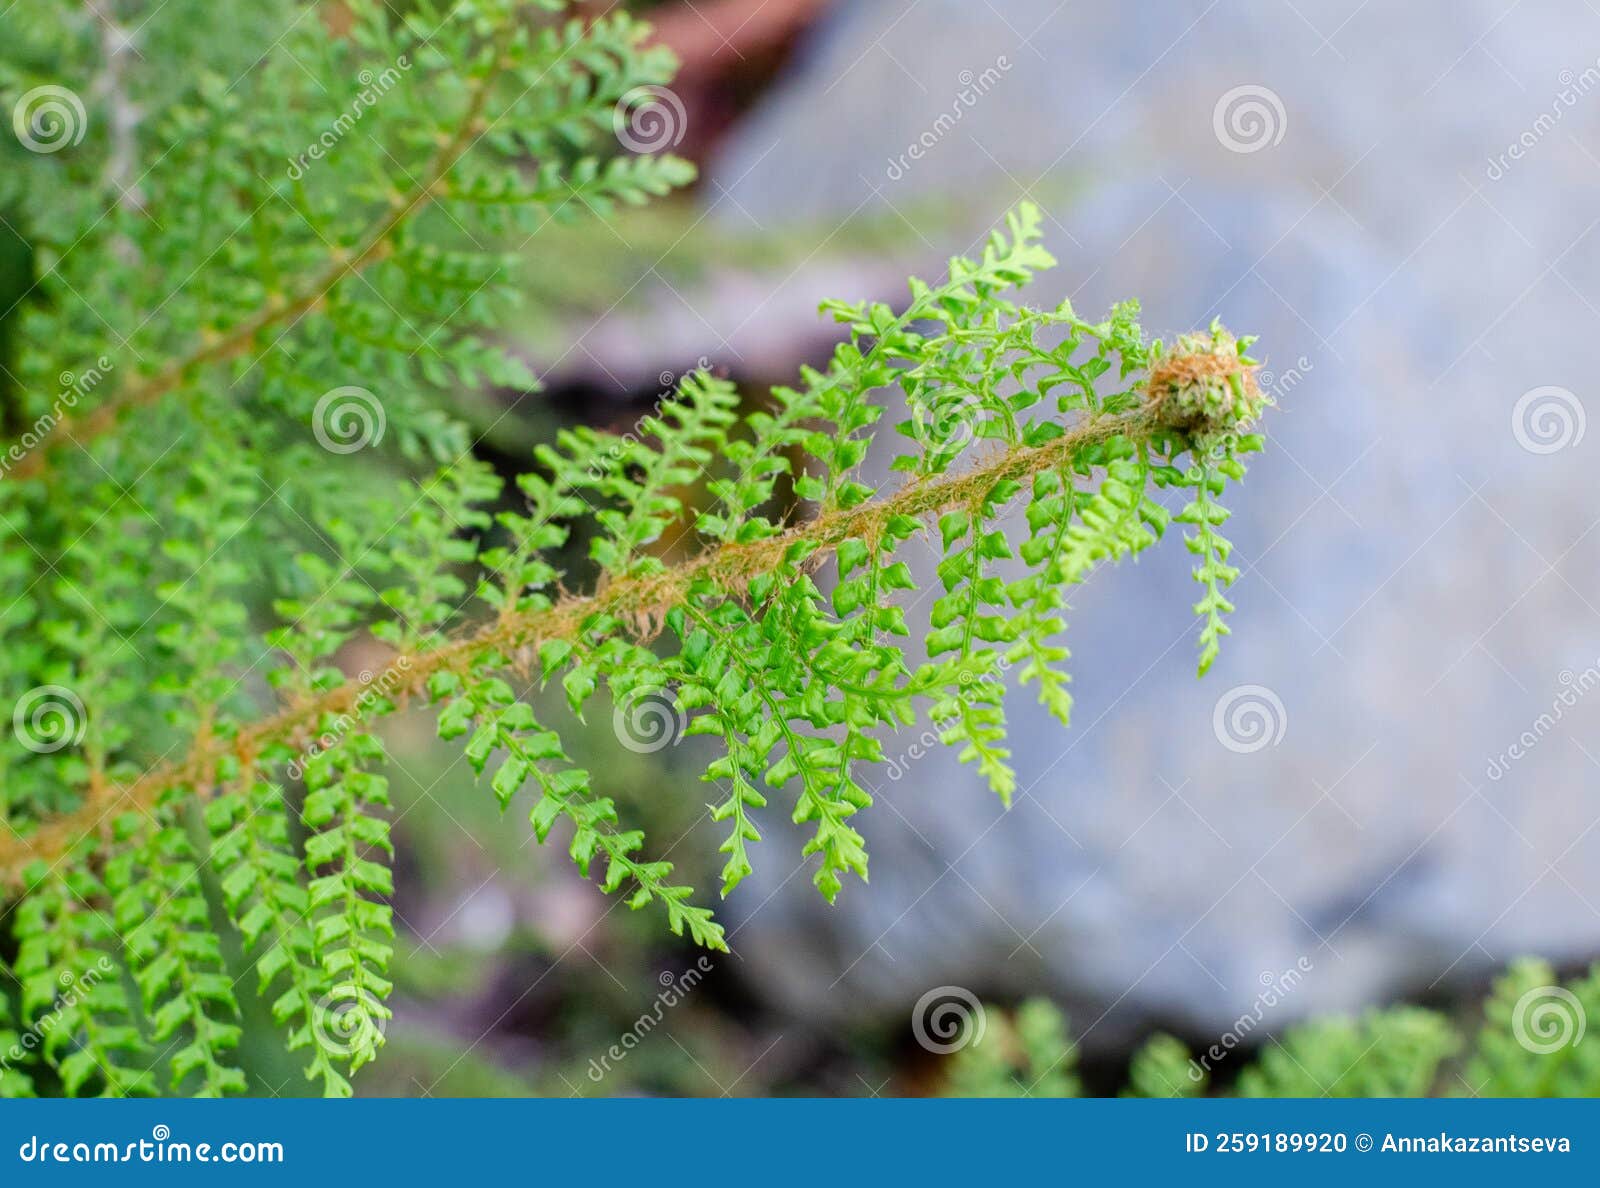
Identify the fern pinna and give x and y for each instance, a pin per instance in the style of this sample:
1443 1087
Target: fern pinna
189 545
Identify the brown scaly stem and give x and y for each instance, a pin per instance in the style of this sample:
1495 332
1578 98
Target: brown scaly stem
642 599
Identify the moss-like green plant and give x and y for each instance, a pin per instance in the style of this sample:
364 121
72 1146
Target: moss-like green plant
190 545
1534 1040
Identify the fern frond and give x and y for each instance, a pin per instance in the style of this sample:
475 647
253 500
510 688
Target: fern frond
424 121
583 640
15 1078
1533 1040
971 709
1204 388
258 875
1025 1053
348 263
1162 1068
175 957
70 968
352 927
500 723
1393 1053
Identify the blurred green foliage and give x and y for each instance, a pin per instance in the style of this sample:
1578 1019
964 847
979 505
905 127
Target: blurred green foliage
1533 1040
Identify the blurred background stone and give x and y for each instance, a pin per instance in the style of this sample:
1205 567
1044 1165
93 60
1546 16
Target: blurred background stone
1416 581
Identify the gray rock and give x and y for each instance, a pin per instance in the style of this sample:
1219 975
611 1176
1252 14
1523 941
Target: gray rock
1417 580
